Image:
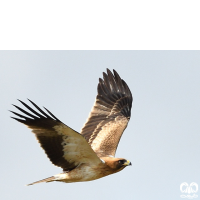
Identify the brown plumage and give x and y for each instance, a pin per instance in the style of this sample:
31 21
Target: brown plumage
90 154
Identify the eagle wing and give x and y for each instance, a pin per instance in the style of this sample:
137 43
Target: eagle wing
109 116
65 147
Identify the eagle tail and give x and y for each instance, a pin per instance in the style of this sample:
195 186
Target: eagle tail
46 180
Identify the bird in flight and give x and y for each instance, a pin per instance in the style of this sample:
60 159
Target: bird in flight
90 154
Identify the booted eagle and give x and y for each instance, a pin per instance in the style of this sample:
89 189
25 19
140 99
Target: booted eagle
90 154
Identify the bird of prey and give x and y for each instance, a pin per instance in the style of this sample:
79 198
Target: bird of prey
90 154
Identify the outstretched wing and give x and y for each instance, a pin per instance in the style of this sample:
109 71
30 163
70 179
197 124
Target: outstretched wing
109 116
65 147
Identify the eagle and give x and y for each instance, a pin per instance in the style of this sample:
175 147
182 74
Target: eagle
90 154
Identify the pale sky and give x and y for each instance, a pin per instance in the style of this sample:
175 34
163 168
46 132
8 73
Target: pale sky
161 140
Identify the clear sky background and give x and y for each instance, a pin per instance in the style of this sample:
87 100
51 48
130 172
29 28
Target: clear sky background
162 138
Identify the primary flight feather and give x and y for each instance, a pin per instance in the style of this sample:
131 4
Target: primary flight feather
88 155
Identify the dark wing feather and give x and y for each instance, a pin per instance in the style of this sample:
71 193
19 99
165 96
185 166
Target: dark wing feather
64 146
109 116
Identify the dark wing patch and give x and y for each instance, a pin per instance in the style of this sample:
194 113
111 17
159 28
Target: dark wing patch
112 109
63 146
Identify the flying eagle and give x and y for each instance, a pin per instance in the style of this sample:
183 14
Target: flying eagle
90 154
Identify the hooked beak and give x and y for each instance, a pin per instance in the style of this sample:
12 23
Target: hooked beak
127 163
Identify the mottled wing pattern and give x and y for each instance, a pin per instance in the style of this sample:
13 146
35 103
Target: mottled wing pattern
65 147
109 116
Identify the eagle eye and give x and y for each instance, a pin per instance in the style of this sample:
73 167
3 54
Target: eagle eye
121 162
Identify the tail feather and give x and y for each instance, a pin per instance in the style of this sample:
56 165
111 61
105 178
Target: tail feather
50 179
